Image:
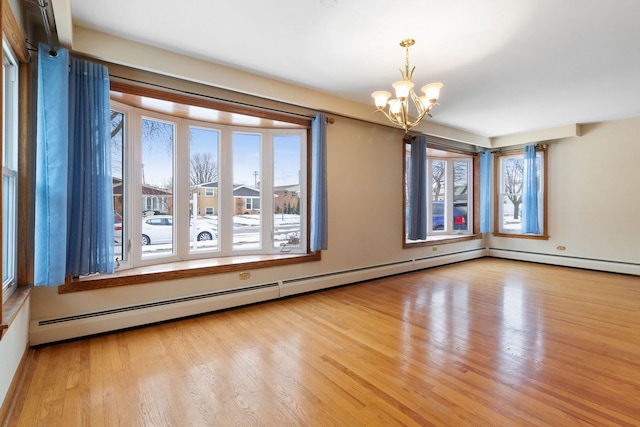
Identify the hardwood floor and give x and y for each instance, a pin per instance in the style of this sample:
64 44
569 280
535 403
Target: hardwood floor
486 342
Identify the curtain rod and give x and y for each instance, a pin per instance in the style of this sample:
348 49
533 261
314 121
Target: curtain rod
518 148
45 22
330 120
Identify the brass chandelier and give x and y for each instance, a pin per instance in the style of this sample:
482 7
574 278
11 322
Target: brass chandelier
397 109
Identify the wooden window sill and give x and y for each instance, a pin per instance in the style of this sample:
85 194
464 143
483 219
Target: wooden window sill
182 270
522 236
442 239
12 306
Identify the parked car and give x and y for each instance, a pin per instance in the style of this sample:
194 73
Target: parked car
117 228
459 216
158 229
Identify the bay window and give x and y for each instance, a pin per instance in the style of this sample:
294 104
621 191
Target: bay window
191 189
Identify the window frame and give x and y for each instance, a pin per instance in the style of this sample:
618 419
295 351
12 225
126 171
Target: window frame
473 208
497 182
10 166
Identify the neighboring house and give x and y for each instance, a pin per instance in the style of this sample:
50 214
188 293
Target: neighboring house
287 199
157 199
208 199
153 198
246 199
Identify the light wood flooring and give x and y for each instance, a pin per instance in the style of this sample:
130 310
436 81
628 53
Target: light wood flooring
482 343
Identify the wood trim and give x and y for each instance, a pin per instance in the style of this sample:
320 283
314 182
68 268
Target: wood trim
475 199
442 241
522 236
496 189
200 101
183 270
26 182
13 32
14 387
12 307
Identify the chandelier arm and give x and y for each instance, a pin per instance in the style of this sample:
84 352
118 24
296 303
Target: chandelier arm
418 119
391 117
417 102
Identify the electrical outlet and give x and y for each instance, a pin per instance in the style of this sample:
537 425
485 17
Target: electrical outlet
245 275
561 248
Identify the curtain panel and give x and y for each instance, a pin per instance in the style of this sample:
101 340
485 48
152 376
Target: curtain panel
74 190
90 247
530 222
418 189
319 217
485 191
52 140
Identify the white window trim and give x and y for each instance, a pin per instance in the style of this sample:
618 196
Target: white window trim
181 250
10 161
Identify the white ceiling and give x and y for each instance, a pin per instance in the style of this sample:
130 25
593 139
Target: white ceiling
508 66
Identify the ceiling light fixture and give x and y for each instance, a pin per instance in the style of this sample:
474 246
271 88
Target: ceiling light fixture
397 109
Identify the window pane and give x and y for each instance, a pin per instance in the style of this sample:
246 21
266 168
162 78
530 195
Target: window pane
203 181
246 185
460 195
511 180
117 168
438 186
157 187
8 230
9 172
286 189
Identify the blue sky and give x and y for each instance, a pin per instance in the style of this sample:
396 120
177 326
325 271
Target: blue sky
157 157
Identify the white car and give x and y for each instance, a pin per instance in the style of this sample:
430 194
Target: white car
158 229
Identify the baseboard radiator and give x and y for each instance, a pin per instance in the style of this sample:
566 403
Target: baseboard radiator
43 331
567 261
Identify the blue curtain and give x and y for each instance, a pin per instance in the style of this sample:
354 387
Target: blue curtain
530 223
418 189
485 191
74 192
319 220
90 237
51 167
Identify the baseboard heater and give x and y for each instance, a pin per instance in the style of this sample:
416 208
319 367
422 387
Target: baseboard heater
323 281
567 261
63 328
86 324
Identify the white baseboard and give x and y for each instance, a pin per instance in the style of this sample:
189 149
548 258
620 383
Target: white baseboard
567 261
43 331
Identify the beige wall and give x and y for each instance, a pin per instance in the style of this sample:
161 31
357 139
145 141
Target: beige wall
363 230
365 193
593 196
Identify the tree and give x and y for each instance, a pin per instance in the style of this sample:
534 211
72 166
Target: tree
513 180
203 169
438 171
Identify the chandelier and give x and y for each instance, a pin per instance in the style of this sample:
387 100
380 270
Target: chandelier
397 109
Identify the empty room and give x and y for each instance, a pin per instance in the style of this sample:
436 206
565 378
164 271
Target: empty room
320 213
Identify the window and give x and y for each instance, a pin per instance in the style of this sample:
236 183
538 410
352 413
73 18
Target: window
509 185
9 172
201 189
450 202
